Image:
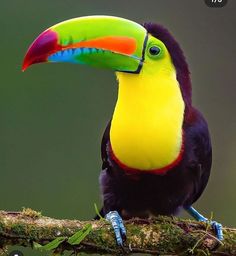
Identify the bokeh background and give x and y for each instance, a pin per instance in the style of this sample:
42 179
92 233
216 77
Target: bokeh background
52 116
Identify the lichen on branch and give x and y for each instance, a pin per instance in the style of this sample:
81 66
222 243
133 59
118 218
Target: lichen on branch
162 235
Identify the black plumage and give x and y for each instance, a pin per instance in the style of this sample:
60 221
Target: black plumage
143 194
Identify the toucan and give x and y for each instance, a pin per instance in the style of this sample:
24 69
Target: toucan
156 150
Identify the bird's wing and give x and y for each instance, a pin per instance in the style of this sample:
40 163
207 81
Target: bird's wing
199 152
104 146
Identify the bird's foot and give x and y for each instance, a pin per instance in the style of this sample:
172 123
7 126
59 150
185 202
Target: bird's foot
215 225
117 223
218 229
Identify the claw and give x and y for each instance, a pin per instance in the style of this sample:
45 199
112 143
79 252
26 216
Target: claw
215 225
218 229
117 223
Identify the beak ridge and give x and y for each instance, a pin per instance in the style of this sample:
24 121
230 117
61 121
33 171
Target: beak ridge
100 41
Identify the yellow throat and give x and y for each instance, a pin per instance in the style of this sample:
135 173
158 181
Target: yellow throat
146 128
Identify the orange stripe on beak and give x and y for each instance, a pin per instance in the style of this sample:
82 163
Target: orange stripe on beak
122 45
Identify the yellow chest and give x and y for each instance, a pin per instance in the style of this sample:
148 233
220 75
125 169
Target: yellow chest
146 128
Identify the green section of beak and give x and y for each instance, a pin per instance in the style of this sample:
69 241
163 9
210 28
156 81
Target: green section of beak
101 41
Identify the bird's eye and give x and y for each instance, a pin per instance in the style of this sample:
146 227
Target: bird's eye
154 50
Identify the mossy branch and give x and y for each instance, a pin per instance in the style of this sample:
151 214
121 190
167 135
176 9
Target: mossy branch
159 236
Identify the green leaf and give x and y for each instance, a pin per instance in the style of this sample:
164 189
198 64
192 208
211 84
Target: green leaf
79 236
37 245
50 246
97 212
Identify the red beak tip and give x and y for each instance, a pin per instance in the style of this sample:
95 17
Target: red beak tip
24 67
40 49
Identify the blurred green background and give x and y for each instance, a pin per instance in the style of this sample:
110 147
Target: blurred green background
53 116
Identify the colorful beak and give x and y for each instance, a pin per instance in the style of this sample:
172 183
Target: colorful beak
101 41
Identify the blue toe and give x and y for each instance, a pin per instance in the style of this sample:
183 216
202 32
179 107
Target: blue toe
218 229
215 225
117 223
122 228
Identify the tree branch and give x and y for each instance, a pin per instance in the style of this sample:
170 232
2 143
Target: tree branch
162 235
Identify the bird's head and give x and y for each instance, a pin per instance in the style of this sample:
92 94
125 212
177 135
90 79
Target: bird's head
111 42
